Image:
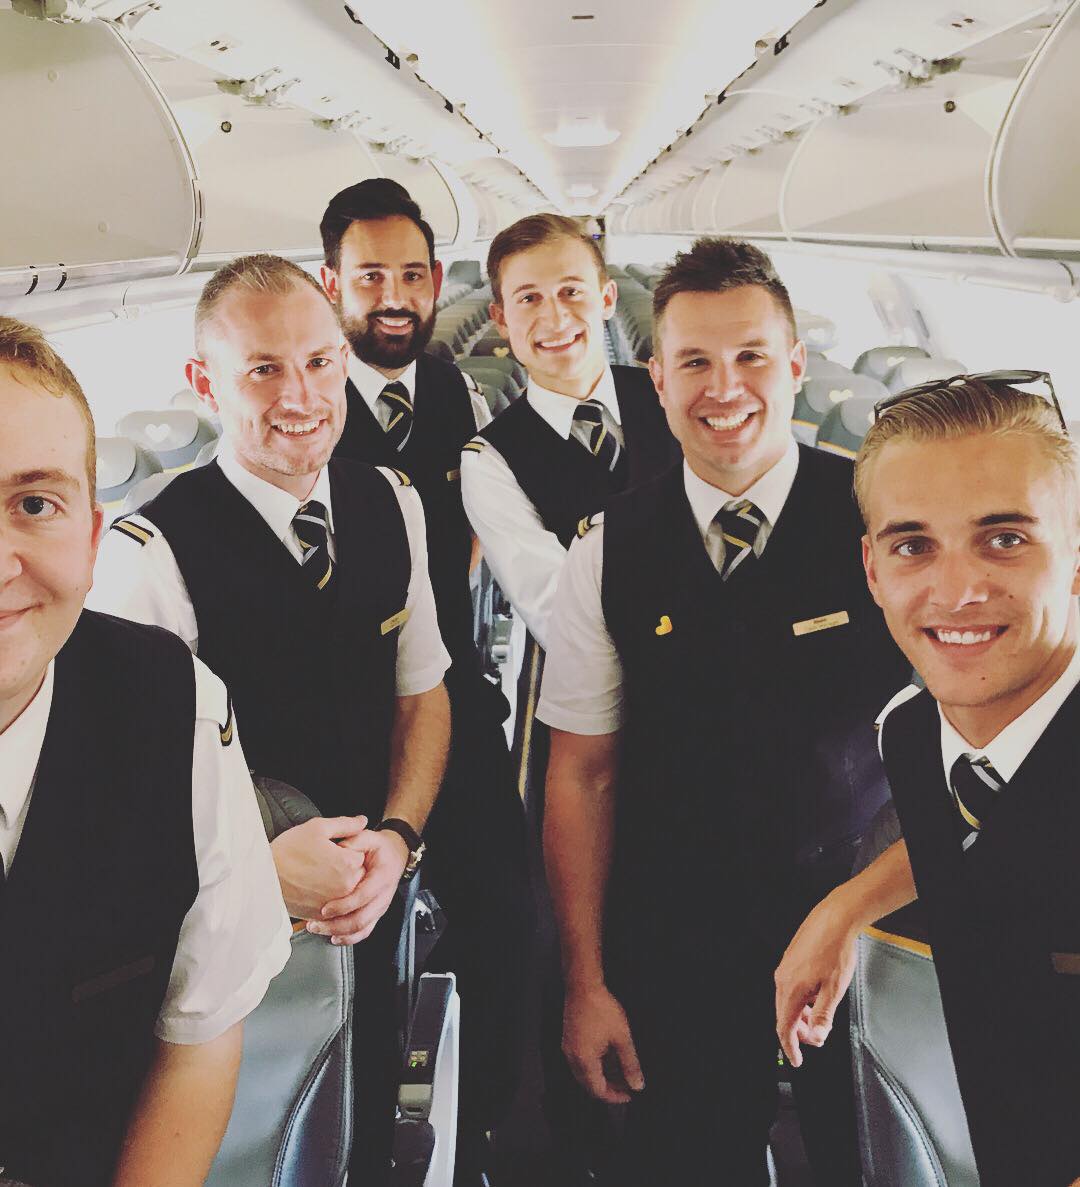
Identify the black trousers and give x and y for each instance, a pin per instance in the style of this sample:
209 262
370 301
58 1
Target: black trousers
378 1012
710 1096
476 864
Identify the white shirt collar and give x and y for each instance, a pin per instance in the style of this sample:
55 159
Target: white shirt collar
369 382
769 493
275 505
558 410
20 749
1009 749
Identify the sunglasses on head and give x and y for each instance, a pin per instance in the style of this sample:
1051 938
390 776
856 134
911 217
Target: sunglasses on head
992 379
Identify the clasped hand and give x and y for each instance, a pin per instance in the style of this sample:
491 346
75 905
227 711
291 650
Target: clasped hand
339 875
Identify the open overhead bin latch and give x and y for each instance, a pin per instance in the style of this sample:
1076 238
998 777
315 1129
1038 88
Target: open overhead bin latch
258 90
62 12
918 70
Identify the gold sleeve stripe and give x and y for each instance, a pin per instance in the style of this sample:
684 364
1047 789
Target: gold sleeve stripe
227 730
402 477
474 446
132 530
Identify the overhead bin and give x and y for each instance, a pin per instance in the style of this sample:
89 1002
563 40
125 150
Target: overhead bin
966 138
1034 175
98 182
904 168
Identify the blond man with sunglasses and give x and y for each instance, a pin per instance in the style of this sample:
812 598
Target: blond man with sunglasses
969 493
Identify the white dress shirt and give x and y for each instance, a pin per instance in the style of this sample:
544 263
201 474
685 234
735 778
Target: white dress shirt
370 383
143 582
582 687
235 937
524 556
1013 744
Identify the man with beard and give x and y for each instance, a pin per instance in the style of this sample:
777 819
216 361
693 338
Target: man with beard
414 412
303 580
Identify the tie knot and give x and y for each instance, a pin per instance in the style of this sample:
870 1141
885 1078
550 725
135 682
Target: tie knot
395 396
312 512
740 522
311 526
589 412
975 786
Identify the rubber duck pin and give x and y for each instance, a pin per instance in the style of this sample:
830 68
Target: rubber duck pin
665 627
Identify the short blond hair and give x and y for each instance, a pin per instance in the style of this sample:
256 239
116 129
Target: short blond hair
23 348
969 409
258 273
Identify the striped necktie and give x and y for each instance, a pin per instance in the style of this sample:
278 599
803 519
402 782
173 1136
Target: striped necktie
976 787
600 442
740 523
396 397
309 524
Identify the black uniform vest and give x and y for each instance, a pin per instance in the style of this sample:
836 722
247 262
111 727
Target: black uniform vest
311 675
1004 921
104 874
749 760
443 421
562 481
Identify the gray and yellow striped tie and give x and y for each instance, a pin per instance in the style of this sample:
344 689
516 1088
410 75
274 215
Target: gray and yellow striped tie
309 524
740 522
976 789
601 443
396 397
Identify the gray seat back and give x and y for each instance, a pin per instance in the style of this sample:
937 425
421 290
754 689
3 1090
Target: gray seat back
879 361
291 1124
174 436
818 332
120 465
912 1126
912 372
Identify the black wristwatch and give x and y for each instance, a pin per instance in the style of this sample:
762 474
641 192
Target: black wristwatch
411 838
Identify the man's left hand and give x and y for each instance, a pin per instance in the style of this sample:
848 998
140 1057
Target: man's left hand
351 919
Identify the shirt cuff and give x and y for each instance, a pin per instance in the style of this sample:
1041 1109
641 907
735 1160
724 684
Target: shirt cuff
411 684
571 722
188 1031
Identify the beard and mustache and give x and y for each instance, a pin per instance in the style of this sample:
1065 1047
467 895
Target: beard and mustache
372 346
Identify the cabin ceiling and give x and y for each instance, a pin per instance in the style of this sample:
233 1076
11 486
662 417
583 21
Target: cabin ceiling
611 91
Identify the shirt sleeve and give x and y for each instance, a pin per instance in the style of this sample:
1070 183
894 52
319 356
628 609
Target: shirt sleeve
524 556
236 937
136 577
582 686
422 659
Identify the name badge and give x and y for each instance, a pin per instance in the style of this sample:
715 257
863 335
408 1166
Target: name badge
1066 962
394 621
822 623
453 475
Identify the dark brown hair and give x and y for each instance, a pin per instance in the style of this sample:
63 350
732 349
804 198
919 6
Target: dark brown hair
533 231
716 265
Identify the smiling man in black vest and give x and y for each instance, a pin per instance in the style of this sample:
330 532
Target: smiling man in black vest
970 498
305 584
409 410
583 431
140 918
714 668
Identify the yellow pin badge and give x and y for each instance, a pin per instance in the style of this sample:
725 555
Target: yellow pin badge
664 626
